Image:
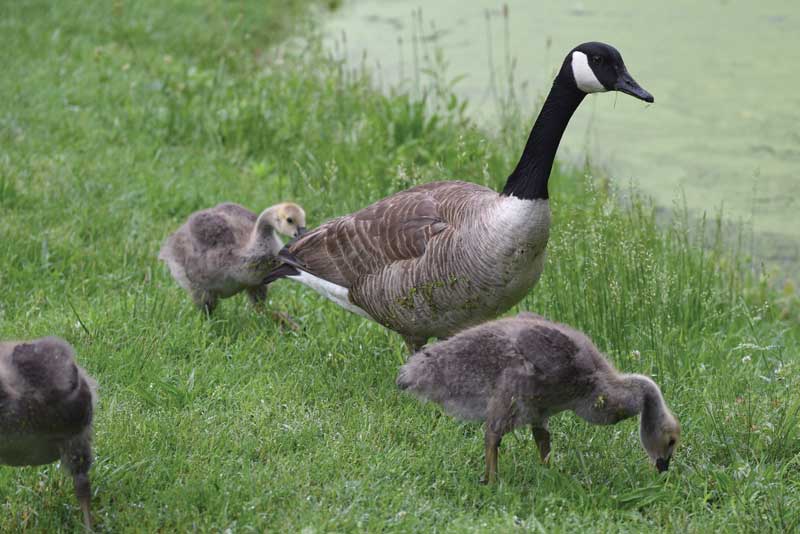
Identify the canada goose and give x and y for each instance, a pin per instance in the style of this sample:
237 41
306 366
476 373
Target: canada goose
522 370
436 258
226 249
46 405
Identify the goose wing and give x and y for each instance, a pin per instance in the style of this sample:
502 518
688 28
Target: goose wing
395 229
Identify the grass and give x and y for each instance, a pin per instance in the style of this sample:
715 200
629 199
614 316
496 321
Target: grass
118 120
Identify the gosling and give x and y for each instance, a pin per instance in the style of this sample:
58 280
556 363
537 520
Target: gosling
46 407
523 370
221 251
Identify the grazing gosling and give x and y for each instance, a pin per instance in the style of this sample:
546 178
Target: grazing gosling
522 370
46 406
221 251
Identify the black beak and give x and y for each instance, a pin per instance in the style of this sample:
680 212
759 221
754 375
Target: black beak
662 464
300 231
626 84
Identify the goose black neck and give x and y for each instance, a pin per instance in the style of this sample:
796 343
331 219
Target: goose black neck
529 179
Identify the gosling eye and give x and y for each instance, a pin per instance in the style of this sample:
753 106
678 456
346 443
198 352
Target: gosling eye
597 60
671 442
290 220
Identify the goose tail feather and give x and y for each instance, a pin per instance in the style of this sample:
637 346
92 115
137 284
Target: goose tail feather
281 271
289 266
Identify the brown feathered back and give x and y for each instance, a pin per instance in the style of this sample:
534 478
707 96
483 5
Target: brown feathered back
394 229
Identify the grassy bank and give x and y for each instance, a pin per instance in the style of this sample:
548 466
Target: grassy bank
119 120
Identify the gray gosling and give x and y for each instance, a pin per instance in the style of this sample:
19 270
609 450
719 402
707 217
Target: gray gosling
227 249
46 407
523 370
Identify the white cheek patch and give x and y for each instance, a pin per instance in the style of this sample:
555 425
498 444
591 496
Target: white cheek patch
584 76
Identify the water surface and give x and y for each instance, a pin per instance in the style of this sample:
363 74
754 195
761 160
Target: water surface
725 128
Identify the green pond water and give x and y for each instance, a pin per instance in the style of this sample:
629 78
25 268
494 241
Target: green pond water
725 127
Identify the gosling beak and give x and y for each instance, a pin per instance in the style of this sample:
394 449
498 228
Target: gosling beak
300 231
662 464
626 84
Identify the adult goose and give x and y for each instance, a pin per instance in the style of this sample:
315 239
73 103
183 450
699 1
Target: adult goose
439 257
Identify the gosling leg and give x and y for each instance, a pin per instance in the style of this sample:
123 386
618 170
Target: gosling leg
205 302
83 491
257 295
542 437
77 459
491 444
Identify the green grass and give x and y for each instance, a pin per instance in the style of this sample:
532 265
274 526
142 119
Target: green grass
119 119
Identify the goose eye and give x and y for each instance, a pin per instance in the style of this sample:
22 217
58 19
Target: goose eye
290 220
597 60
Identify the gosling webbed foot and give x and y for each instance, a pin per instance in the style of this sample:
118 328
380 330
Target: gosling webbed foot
284 319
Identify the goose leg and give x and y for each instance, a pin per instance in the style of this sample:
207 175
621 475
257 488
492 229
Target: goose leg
542 437
491 444
414 343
